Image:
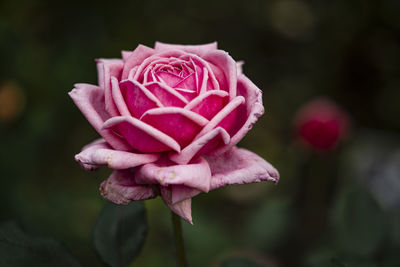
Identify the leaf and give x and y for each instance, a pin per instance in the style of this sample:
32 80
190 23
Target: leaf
19 249
239 262
358 222
120 232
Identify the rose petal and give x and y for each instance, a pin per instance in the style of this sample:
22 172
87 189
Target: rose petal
126 54
226 118
189 95
223 61
120 188
119 98
197 174
106 69
239 166
142 136
180 124
182 209
209 103
99 153
203 145
168 78
138 98
90 100
248 113
167 96
195 49
136 58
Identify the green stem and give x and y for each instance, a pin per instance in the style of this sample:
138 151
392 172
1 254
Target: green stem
180 248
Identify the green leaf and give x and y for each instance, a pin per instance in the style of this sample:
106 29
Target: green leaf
358 222
120 232
239 262
19 249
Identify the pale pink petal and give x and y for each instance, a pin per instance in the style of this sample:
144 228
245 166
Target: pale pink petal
142 136
136 58
167 95
224 62
99 153
195 49
226 118
240 166
182 208
126 54
202 145
200 64
180 124
249 113
196 174
119 98
90 100
182 192
209 103
120 188
106 69
205 82
138 98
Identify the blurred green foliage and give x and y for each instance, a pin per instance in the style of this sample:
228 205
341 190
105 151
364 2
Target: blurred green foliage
334 209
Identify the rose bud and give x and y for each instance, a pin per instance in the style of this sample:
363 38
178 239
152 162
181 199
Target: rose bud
321 124
170 118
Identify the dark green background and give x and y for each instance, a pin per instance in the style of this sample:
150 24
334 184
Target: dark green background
341 205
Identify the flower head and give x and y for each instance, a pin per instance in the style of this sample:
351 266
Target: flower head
170 118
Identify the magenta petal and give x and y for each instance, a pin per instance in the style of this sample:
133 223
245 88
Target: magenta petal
195 49
196 174
180 124
189 95
120 188
189 82
90 100
209 103
226 118
168 78
136 58
249 113
108 68
138 98
167 96
99 153
202 145
240 166
224 62
142 136
119 98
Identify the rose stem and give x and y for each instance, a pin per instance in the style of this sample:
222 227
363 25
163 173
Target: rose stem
180 248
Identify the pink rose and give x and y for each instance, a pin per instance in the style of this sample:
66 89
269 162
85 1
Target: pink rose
170 118
321 124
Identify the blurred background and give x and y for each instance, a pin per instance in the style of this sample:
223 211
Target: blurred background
334 206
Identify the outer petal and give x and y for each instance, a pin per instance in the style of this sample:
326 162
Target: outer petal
90 100
240 166
203 145
99 153
249 113
136 57
195 49
197 174
120 188
180 124
142 136
223 61
106 69
182 208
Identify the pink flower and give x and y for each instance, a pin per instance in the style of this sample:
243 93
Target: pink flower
321 124
170 118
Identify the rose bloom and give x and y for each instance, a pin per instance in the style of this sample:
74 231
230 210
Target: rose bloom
170 118
321 124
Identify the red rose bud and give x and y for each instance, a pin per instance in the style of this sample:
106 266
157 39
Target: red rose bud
321 124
